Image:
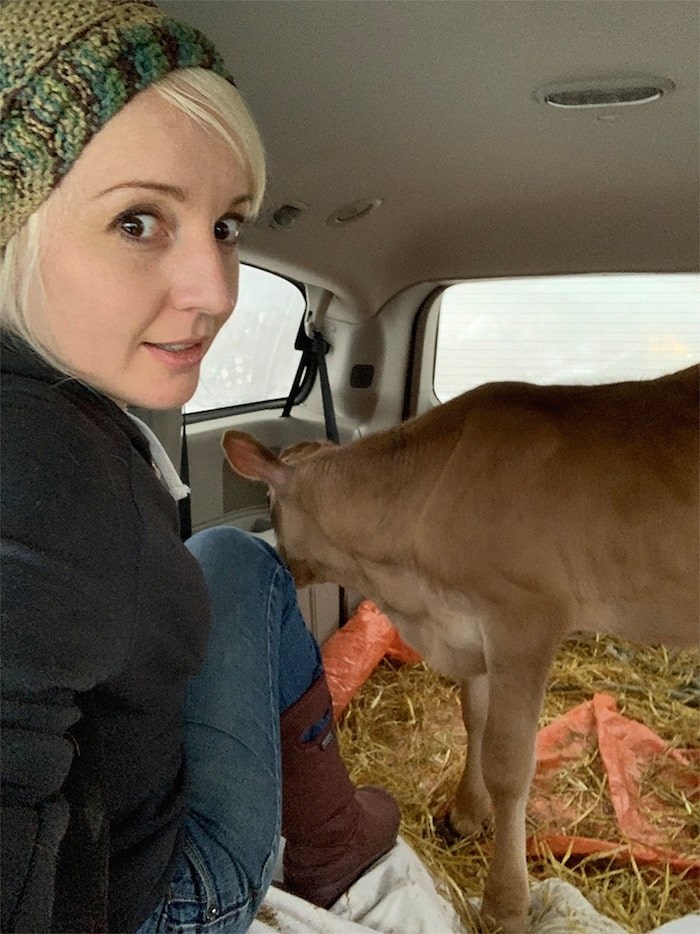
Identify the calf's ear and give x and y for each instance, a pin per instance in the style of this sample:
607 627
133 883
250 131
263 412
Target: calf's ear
254 461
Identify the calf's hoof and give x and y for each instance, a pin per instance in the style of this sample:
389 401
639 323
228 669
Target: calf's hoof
512 924
472 823
445 830
506 914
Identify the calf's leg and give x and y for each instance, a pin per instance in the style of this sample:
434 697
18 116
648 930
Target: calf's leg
471 807
518 661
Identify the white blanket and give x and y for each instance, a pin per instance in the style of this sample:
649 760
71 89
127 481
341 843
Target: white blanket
398 895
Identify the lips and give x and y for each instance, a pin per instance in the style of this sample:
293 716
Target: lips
177 348
178 354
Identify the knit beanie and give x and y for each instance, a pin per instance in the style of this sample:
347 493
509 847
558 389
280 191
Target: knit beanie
66 67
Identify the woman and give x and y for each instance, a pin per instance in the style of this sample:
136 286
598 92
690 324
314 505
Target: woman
165 712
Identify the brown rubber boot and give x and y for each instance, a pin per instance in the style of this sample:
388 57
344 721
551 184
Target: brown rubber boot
334 831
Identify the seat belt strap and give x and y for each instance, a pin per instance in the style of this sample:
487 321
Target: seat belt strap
301 342
320 348
314 350
296 382
185 504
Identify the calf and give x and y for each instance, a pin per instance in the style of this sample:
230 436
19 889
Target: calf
488 529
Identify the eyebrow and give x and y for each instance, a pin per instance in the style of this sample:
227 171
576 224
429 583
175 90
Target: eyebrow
174 190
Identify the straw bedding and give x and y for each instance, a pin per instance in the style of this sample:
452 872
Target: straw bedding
404 731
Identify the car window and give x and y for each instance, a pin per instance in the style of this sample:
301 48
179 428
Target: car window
253 359
566 329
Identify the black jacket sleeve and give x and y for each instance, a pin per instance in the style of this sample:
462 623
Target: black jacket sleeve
66 625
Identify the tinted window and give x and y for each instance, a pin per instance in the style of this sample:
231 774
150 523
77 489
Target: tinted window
566 329
253 357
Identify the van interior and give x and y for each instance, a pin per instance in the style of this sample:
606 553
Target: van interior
459 191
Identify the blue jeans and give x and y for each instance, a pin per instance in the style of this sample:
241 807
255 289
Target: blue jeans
260 659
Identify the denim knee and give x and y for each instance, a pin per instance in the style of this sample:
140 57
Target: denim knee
242 569
226 547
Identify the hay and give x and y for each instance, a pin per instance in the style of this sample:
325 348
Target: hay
404 731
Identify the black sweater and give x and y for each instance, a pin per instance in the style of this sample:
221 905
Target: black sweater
104 618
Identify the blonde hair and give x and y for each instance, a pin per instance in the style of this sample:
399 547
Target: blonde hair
202 95
212 102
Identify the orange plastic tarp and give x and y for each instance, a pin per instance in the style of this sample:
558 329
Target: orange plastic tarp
354 651
648 829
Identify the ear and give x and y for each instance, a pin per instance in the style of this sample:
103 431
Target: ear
254 461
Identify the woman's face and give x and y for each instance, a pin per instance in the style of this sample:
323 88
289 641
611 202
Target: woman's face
139 261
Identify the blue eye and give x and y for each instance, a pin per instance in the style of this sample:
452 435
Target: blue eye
228 229
138 226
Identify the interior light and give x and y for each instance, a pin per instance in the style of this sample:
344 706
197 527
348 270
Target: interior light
286 215
354 211
609 92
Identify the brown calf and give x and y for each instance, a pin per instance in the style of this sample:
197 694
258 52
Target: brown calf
488 529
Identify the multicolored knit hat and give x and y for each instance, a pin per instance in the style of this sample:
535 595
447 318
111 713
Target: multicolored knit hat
66 67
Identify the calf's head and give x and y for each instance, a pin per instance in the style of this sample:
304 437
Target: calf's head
299 538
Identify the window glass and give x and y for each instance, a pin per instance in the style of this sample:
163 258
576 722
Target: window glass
253 357
566 329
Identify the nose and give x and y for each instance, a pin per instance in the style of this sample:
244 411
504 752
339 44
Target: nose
204 277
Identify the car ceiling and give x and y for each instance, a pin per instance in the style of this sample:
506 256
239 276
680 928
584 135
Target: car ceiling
431 106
